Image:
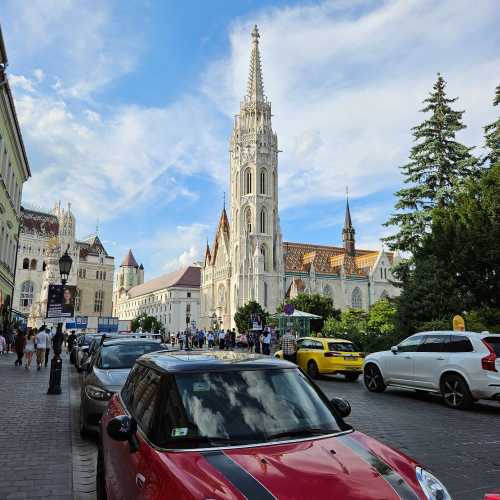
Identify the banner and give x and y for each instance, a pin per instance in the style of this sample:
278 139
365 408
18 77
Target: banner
61 301
256 321
77 323
107 325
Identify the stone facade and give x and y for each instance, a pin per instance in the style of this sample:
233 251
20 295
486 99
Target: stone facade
173 299
14 172
43 238
245 262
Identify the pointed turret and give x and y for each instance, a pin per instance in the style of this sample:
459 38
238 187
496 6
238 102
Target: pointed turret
348 231
129 260
255 91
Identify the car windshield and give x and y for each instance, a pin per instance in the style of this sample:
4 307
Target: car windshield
124 355
241 407
342 347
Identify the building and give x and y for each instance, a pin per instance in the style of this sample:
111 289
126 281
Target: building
248 260
44 237
173 299
14 172
245 261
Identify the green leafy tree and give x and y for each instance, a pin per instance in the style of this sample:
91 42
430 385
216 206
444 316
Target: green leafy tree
243 315
147 323
492 135
381 318
438 164
315 303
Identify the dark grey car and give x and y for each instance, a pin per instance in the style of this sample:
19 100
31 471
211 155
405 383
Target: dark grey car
105 374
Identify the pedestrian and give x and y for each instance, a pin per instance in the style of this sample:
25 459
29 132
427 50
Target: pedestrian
210 339
3 344
250 341
7 334
289 347
266 342
71 341
49 343
222 337
29 349
258 342
41 341
20 344
181 338
233 338
201 339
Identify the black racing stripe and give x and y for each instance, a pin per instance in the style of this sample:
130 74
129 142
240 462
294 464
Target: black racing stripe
390 475
243 480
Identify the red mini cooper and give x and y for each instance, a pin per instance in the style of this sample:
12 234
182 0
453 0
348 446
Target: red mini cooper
224 425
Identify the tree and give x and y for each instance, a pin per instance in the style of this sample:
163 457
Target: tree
438 164
492 135
243 315
381 318
147 323
315 303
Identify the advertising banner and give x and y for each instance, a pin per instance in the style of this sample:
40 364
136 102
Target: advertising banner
256 321
107 325
61 301
77 323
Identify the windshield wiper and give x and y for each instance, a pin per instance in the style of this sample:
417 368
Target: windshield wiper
308 431
211 440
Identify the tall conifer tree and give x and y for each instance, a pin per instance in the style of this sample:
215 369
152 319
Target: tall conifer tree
492 135
438 165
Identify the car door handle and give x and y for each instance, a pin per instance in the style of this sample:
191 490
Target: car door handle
407 357
140 481
440 359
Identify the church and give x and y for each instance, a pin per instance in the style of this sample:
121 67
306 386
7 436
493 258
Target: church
248 259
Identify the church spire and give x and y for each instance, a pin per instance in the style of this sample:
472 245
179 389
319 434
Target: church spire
255 91
348 230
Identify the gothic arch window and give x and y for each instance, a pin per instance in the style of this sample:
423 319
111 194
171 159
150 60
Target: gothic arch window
44 266
33 264
248 181
357 299
265 294
98 301
263 252
263 217
262 183
26 263
26 294
248 220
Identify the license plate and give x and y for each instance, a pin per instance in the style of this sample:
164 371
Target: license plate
350 358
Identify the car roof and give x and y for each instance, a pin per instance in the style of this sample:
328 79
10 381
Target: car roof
202 361
326 339
130 341
455 332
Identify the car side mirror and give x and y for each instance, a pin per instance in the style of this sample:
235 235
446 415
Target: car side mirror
394 349
123 428
342 406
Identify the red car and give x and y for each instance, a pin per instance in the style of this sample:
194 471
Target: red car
223 425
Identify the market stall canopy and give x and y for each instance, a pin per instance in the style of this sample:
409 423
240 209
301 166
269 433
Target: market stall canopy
296 314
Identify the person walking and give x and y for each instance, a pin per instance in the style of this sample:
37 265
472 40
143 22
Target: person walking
7 335
289 347
181 337
49 344
222 337
29 349
41 341
20 344
3 344
250 340
210 339
266 342
71 341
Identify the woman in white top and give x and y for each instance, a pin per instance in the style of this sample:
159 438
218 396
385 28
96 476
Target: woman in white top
29 349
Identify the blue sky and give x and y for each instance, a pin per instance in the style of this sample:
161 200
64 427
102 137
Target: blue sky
126 107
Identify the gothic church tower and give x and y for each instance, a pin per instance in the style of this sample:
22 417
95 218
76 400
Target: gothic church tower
255 235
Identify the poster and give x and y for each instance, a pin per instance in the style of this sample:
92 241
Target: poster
61 301
256 321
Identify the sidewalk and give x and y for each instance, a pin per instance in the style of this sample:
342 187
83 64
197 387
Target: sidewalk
35 434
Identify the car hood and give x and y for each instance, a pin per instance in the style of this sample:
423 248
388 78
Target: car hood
352 467
112 380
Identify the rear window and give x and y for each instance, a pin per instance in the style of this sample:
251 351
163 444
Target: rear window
342 347
459 343
494 342
118 356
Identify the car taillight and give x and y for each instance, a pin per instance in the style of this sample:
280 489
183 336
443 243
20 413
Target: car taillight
488 362
332 354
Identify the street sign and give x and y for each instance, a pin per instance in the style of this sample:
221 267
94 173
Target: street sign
458 323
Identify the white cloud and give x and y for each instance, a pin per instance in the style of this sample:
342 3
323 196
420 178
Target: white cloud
21 82
39 74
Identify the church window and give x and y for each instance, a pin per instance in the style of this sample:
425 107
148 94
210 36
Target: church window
26 263
263 181
98 301
381 273
265 294
78 298
33 264
385 273
264 256
263 221
248 219
248 181
26 294
44 266
356 299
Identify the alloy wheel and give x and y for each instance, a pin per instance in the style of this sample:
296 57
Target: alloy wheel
373 379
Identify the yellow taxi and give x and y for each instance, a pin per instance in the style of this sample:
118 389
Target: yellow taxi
318 355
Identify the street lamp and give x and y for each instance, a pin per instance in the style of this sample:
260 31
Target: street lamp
65 263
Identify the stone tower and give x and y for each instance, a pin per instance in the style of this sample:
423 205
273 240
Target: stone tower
348 232
256 249
130 273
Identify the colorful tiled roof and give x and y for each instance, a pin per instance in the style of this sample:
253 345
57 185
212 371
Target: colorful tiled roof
39 223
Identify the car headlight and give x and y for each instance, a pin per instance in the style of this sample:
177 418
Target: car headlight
433 488
94 392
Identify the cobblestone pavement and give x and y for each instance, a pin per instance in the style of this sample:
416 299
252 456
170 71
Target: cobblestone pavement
461 447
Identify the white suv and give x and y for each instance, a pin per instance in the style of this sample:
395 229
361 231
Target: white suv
462 366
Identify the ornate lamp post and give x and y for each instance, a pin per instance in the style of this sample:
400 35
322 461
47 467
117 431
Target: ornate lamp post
65 263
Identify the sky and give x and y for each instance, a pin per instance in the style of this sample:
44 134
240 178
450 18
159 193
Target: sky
126 108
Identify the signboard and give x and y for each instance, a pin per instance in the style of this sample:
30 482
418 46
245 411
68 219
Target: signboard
107 325
61 301
77 323
458 323
256 321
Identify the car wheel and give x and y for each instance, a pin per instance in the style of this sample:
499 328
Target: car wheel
373 379
352 377
456 392
312 369
83 428
100 477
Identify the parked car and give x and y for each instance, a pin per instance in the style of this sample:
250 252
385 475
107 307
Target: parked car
106 373
317 355
81 348
232 425
462 366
